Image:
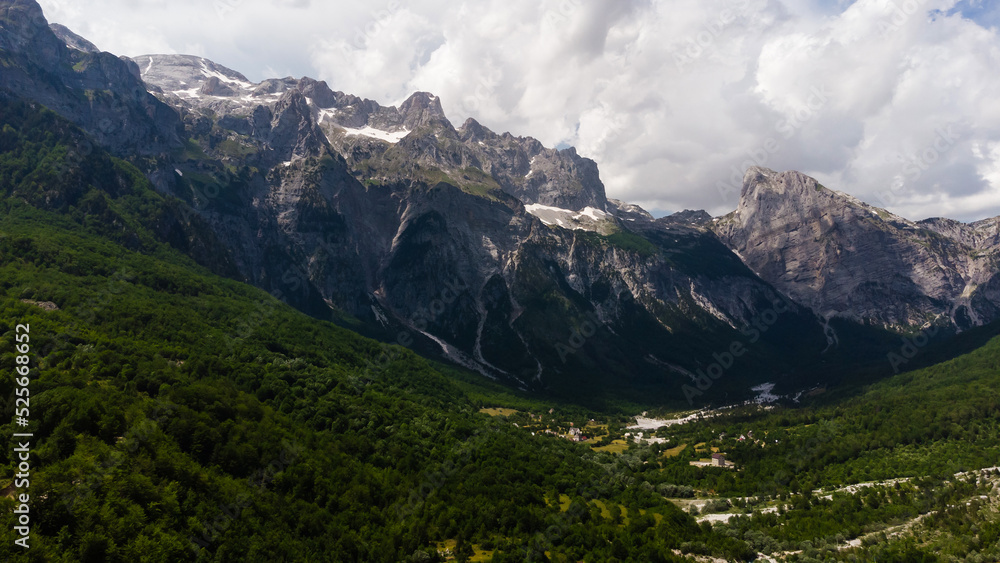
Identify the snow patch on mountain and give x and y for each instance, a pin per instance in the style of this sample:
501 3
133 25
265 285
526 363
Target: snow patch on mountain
593 213
531 165
369 131
327 115
189 93
589 219
208 73
764 393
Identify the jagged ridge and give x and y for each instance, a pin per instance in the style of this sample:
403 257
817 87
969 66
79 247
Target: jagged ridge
845 258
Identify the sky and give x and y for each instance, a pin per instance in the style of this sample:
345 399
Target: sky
896 102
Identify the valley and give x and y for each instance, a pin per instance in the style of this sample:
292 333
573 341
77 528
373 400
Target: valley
275 321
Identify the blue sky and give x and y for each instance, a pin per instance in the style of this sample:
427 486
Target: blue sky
986 14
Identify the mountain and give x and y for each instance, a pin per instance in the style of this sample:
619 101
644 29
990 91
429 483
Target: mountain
178 412
487 248
72 40
176 415
844 258
490 250
395 141
99 91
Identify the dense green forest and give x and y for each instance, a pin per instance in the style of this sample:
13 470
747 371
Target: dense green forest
917 442
182 416
179 415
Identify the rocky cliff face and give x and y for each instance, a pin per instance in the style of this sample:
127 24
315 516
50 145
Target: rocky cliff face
489 249
500 292
844 258
98 91
415 140
72 40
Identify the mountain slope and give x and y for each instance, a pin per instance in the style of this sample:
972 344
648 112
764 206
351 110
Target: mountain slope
178 415
380 210
395 142
487 249
98 91
844 258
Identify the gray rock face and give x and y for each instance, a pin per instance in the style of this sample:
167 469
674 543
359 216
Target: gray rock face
433 236
844 258
423 110
377 210
72 40
215 87
23 25
697 218
184 75
982 236
388 140
292 133
491 287
98 91
628 211
533 173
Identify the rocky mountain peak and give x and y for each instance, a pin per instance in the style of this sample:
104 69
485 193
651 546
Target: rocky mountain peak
786 199
22 17
474 131
72 40
187 74
982 236
688 217
23 11
98 91
762 185
293 100
843 257
628 211
422 109
363 131
319 92
23 28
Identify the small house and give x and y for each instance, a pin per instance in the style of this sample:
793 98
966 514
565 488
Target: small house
718 460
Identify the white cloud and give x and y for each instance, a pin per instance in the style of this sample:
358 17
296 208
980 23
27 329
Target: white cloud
668 97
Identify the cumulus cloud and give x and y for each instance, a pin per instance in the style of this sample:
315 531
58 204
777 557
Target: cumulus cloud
894 101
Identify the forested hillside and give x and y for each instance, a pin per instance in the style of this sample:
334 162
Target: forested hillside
906 470
182 415
178 415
